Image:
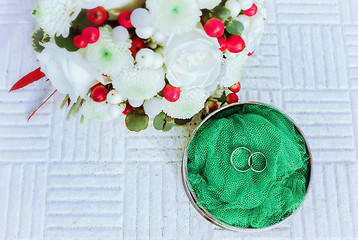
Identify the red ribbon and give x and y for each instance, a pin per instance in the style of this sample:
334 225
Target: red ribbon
28 79
41 106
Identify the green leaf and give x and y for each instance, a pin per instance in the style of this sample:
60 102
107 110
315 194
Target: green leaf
82 119
163 123
221 13
65 101
81 22
169 125
38 37
75 108
78 106
235 27
70 112
137 120
222 99
159 49
159 121
206 16
66 43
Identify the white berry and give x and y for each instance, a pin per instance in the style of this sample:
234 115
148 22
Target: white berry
153 106
120 34
144 33
246 4
145 58
234 6
135 103
141 18
115 110
158 62
114 97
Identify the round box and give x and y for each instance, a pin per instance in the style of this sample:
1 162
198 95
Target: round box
191 194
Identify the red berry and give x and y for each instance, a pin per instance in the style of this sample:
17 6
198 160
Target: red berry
128 109
98 84
251 11
235 44
214 28
124 19
137 45
223 43
235 88
80 42
91 34
97 15
99 94
170 93
232 98
212 106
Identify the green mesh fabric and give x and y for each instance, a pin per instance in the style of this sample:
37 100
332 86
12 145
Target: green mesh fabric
250 199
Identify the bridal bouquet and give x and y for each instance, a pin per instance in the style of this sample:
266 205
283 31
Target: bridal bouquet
159 60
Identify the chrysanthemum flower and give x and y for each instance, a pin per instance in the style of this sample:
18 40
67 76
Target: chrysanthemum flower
174 16
190 103
107 56
209 4
234 68
55 16
107 4
139 83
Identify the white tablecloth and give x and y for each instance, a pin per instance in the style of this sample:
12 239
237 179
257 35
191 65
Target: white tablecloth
65 180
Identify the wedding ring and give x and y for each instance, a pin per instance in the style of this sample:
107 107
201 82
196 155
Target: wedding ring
232 162
250 164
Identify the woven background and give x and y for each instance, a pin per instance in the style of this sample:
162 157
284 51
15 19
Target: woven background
65 180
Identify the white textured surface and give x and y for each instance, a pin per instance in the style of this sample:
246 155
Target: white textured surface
64 180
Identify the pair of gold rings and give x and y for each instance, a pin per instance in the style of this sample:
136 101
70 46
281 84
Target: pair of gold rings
250 162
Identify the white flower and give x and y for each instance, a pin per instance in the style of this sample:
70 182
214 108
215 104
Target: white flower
174 16
254 33
95 111
107 56
208 4
107 4
246 4
139 83
259 3
193 60
190 103
234 67
68 71
55 16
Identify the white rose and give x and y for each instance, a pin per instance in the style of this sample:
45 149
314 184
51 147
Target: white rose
107 4
234 68
193 60
69 72
254 33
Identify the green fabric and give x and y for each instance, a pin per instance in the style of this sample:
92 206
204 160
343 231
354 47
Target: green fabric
250 199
